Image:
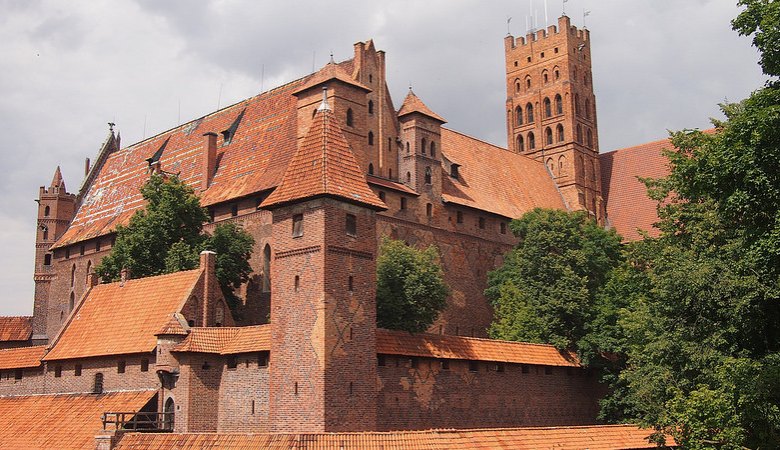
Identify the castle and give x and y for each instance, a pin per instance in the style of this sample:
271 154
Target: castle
318 170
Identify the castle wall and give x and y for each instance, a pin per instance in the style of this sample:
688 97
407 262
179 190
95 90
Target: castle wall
420 393
133 378
196 393
243 395
31 381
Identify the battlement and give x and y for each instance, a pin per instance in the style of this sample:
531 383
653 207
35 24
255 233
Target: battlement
564 23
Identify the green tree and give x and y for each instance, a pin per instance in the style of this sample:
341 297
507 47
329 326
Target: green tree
410 289
167 236
547 287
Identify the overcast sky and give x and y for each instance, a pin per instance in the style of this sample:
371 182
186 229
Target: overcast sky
69 67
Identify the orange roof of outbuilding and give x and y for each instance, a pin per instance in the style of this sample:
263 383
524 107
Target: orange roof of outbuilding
22 357
226 340
116 319
15 328
61 421
597 437
413 104
494 179
459 347
324 166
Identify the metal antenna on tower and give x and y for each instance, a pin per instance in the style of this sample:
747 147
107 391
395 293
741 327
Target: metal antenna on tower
508 19
563 8
546 19
262 76
584 15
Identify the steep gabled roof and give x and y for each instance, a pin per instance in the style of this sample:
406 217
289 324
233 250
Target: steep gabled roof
494 179
22 357
324 165
413 104
61 421
15 328
595 437
330 72
459 347
117 319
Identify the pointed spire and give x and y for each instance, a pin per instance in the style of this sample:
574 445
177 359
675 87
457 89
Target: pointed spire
324 106
413 104
324 166
57 180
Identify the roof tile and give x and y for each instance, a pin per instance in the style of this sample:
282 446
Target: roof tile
413 104
22 357
115 319
15 328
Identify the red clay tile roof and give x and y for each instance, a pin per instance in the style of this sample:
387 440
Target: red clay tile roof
15 328
177 324
331 71
324 166
494 179
61 421
458 347
22 357
384 182
413 104
116 319
227 340
598 437
628 207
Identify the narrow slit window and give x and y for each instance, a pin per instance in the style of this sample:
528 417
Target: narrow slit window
297 225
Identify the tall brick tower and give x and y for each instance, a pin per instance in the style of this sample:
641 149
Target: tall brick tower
551 109
323 312
55 211
420 162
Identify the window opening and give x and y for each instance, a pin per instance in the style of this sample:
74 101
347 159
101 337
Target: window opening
459 217
46 211
351 284
403 202
370 168
57 371
262 359
547 107
144 365
423 144
47 259
232 362
433 149
473 366
351 225
529 113
233 210
297 283
531 141
481 223
297 225
519 115
71 302
558 104
230 133
349 117
77 370
520 143
120 366
428 209
503 228
370 107
548 135
428 175
559 132
370 138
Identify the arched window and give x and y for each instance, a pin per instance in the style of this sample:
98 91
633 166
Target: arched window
529 113
267 268
592 172
407 148
370 107
349 117
408 177
45 232
427 175
581 165
545 77
46 211
576 104
370 138
590 138
519 143
370 169
559 132
422 145
97 387
556 74
548 137
527 82
531 141
517 85
551 166
562 165
71 302
587 108
72 275
579 133
89 271
313 113
433 149
519 115
547 107
558 104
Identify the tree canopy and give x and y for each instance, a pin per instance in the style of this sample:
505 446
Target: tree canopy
410 289
167 236
546 289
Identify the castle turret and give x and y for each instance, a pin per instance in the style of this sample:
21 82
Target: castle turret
323 312
55 211
420 161
551 109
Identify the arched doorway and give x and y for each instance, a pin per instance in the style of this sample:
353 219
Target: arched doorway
168 415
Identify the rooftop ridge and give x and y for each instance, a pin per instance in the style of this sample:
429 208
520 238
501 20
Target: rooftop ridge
450 336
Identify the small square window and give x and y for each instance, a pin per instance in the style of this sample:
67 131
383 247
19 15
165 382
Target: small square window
144 365
262 359
120 367
233 210
18 374
232 362
473 366
77 370
351 225
445 364
297 225
542 55
57 371
47 259
97 245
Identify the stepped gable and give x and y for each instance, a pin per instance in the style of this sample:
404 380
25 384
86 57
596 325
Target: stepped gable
413 104
15 328
253 161
22 357
494 179
595 437
61 421
324 165
227 340
116 319
458 347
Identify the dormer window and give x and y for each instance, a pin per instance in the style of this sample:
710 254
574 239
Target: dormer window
454 170
230 133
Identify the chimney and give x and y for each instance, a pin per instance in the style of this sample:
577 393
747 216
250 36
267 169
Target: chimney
124 275
208 261
209 161
92 279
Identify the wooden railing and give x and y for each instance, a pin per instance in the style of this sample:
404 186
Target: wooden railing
138 421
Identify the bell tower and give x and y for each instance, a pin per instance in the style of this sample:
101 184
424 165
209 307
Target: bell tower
551 109
55 211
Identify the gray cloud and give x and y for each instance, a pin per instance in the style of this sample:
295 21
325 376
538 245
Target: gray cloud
67 68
